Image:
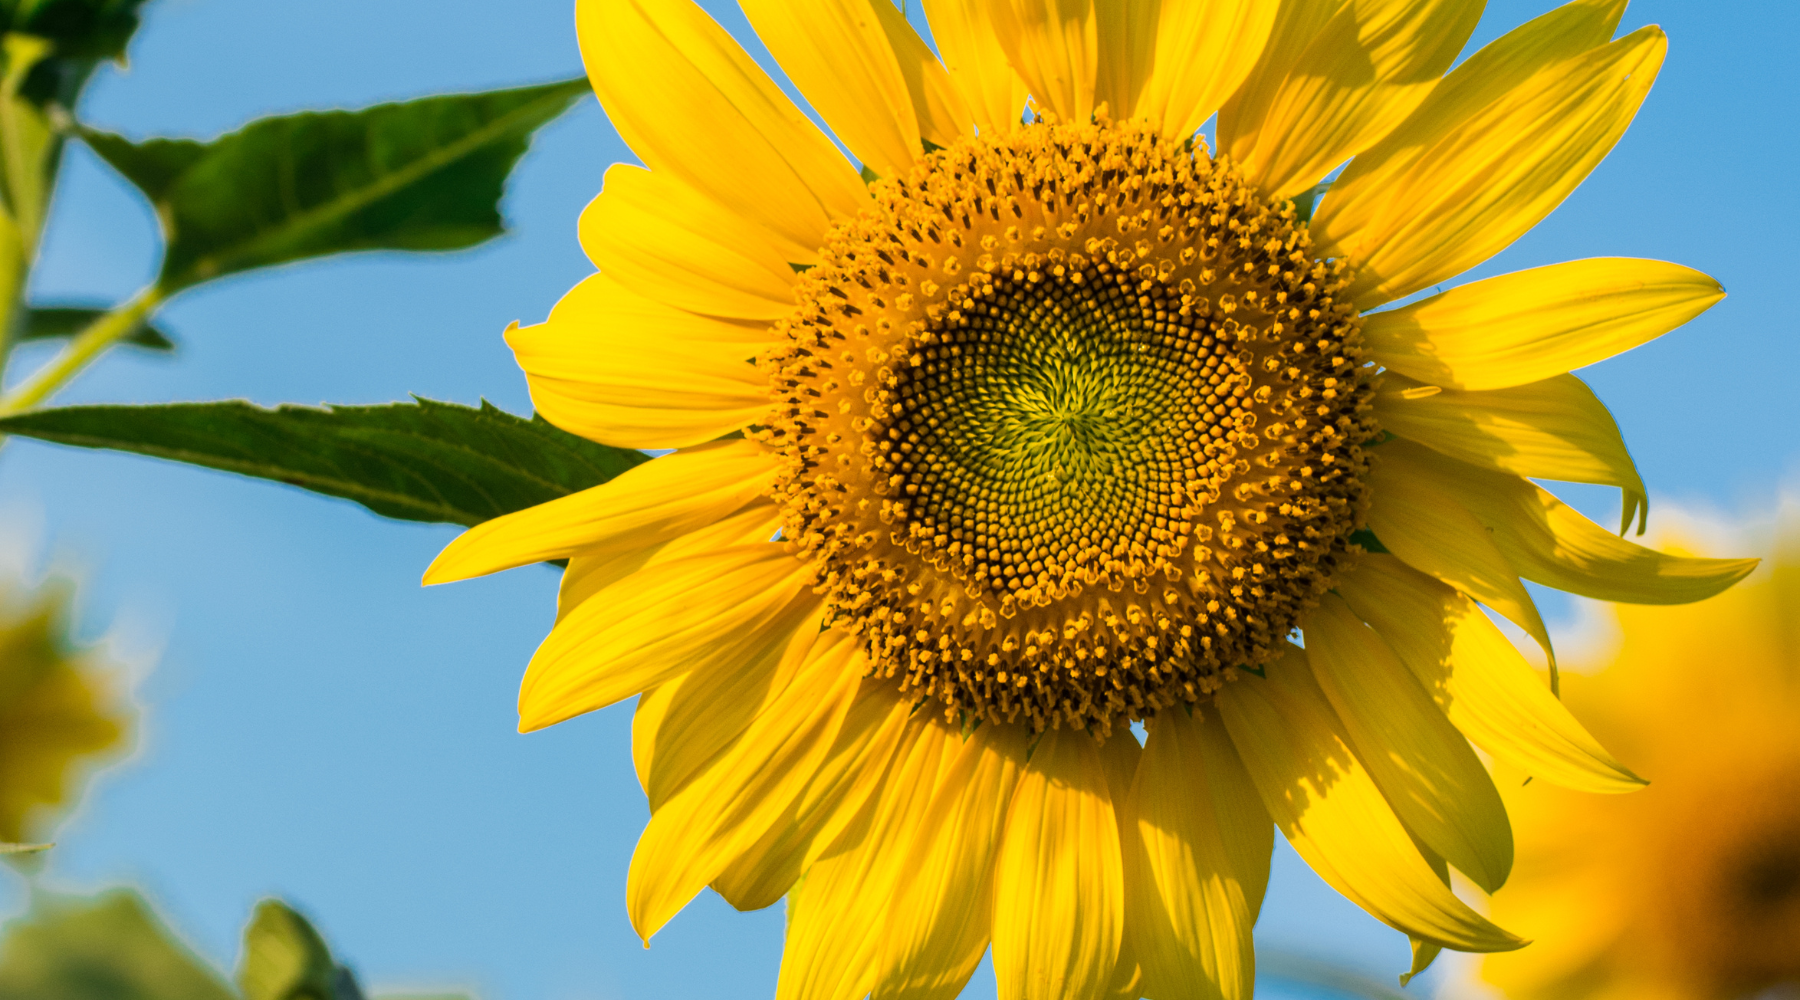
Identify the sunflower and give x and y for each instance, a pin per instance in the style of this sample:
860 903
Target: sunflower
1053 417
57 714
1690 890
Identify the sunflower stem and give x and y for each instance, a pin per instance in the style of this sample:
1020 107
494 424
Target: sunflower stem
89 344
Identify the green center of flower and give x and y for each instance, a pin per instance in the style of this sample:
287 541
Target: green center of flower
1073 425
1047 432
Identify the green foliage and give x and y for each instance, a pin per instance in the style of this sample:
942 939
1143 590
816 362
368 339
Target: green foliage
114 948
420 175
88 29
423 461
284 958
58 322
110 948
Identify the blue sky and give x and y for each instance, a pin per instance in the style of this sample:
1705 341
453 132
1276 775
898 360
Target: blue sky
318 726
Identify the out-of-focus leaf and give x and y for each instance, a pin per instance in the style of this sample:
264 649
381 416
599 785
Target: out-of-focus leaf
31 150
419 175
285 959
86 29
56 322
113 947
109 948
31 144
24 848
423 461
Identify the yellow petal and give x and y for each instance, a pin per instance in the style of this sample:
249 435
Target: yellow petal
655 414
1427 770
1054 46
839 797
1483 178
1553 429
1297 24
1420 521
1483 685
1204 50
585 577
1365 71
838 54
1127 982
1196 862
730 805
651 503
616 367
687 99
710 706
832 947
1126 42
1423 954
600 315
992 93
943 113
1551 543
1059 892
1324 801
1119 757
666 620
662 239
1531 325
646 722
588 574
1508 63
941 916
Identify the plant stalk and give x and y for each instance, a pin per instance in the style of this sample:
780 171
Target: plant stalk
87 345
27 145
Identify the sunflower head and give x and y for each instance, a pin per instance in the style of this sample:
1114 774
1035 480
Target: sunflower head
1060 416
1072 421
1690 889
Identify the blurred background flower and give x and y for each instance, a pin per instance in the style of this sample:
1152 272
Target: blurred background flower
1689 889
61 708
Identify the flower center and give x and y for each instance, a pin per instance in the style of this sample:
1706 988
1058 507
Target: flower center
1072 422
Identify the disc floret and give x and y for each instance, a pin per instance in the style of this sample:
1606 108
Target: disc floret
1073 423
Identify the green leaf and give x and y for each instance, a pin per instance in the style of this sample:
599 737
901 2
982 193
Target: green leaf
420 175
108 948
6 848
422 461
154 165
57 322
90 29
285 959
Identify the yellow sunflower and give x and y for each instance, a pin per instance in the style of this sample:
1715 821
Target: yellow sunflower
1691 889
1059 419
57 714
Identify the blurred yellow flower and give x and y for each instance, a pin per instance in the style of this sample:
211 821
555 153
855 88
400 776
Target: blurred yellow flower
58 713
1690 889
1060 421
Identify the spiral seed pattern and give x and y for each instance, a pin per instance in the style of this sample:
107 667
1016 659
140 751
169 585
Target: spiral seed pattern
1073 423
